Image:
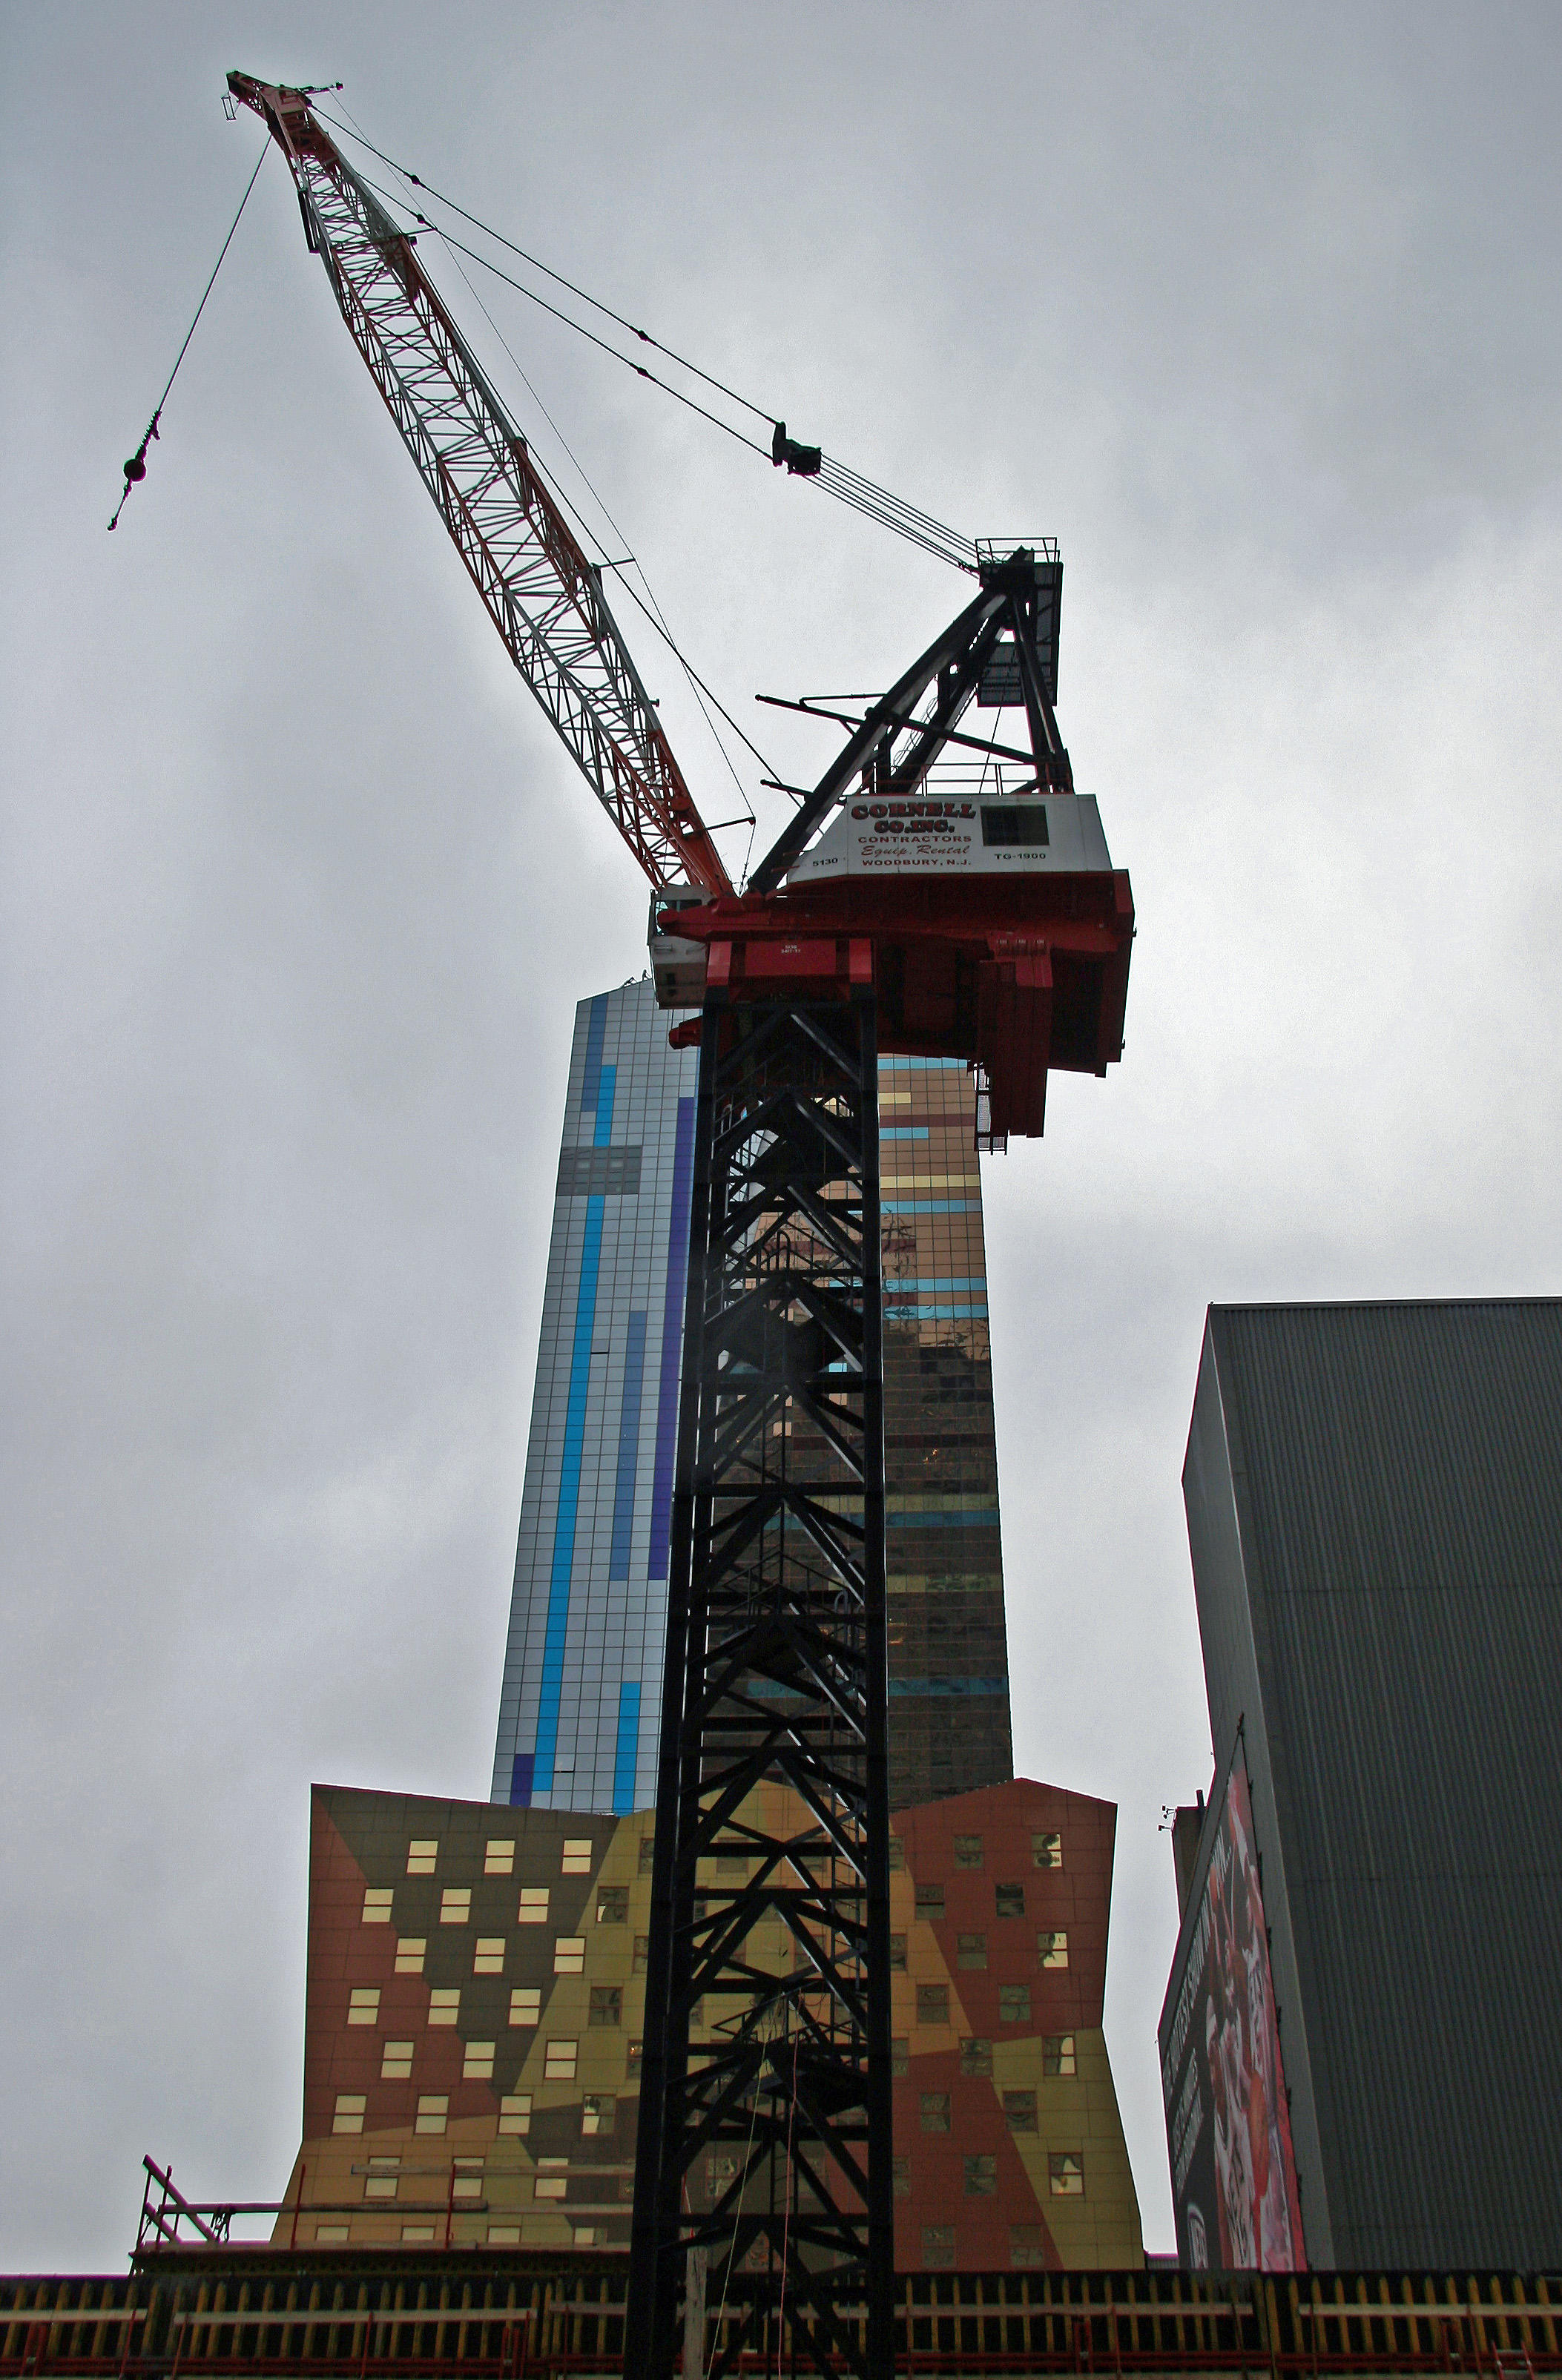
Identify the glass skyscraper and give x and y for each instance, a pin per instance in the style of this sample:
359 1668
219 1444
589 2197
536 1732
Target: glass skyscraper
581 1697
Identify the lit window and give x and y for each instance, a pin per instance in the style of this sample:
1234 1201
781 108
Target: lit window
533 1910
488 1958
576 1858
981 2177
932 2004
902 2176
552 2178
395 2061
466 2181
612 1904
421 1858
968 1851
1019 2110
598 2113
584 2235
641 1958
409 1954
499 1858
898 1953
931 1902
1052 1947
1065 2173
897 1855
363 2008
433 2109
607 2005
559 2063
647 1853
504 2235
569 1954
899 2053
525 2004
1025 2244
1058 2053
975 2057
444 2007
937 2244
348 2117
1046 1850
456 1905
1010 1899
377 1906
935 2111
476 2065
971 1951
382 2178
514 2113
417 2234
1014 2003
632 2055
329 2235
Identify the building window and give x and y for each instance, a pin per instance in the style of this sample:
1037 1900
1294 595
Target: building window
569 1954
932 2004
382 2176
433 2109
1046 1850
968 1851
488 1958
902 2176
607 2004
938 2245
898 1953
500 1859
1065 2173
514 2113
349 2117
329 2235
444 2007
1010 1899
1025 2244
1052 1947
975 2057
466 2181
477 2066
612 1904
971 1951
897 1854
1058 2053
981 2177
417 2234
1019 2110
456 1905
409 1954
584 2235
533 1910
504 2235
899 2053
559 2063
931 1902
421 1858
576 1855
395 2061
934 2106
363 2008
599 2114
1014 2003
632 2053
377 1905
552 2178
647 1853
640 1959
526 2004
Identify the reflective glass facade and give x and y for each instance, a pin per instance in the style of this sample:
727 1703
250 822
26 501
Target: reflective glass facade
583 1666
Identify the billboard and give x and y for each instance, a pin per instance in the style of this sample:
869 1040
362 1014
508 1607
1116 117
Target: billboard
1227 2128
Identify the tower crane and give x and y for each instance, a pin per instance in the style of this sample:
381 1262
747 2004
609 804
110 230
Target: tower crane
918 903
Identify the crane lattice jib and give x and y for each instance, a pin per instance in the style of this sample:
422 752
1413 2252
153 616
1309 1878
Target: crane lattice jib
541 592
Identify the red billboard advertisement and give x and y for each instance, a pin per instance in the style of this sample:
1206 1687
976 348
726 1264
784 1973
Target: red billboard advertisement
1227 2128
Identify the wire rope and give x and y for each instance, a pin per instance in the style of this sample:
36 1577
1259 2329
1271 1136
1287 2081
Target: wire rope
136 469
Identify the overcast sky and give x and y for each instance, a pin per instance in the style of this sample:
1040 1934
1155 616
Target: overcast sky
1257 309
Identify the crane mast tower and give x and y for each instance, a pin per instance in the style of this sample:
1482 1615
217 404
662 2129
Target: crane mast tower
916 903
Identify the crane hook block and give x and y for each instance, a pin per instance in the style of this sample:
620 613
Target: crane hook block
802 461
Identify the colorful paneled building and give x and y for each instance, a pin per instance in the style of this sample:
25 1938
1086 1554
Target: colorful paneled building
476 1990
581 1692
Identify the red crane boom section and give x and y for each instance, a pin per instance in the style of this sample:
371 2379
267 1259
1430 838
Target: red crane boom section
543 593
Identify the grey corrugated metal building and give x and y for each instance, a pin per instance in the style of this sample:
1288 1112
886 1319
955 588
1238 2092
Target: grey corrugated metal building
1374 1510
